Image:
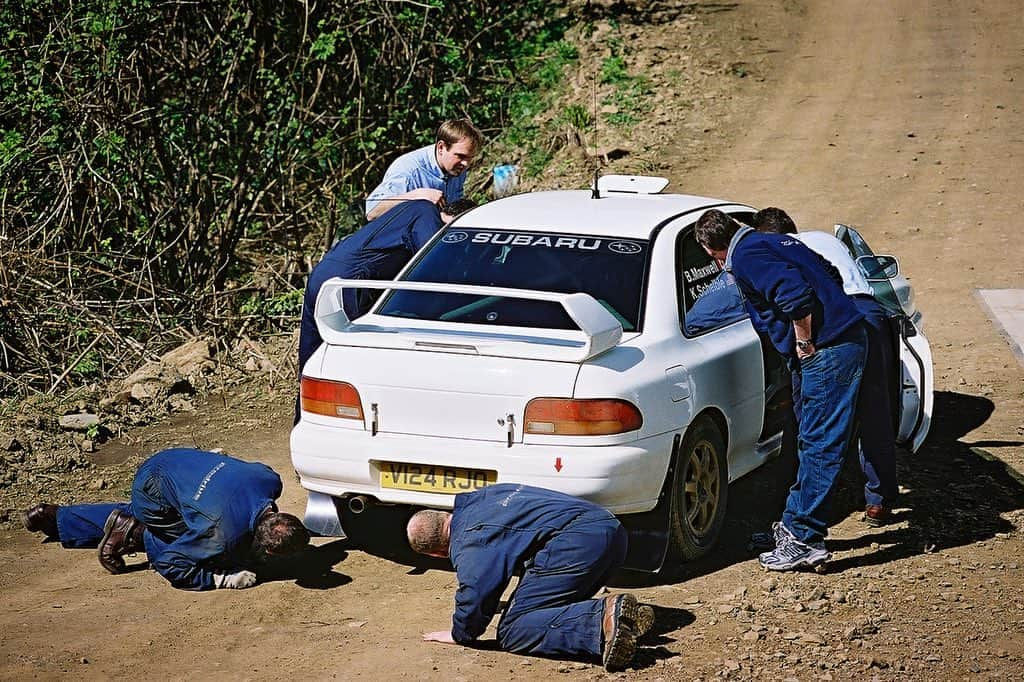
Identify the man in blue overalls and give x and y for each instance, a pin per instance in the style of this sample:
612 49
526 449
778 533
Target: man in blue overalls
377 250
564 548
205 520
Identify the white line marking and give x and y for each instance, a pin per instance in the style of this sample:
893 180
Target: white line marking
1005 307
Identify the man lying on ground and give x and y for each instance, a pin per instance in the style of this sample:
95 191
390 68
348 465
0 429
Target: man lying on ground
205 521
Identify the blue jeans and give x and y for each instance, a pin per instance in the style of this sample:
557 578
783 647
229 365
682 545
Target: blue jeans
551 612
826 411
875 409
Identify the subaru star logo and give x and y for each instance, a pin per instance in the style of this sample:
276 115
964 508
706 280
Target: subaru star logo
625 247
454 237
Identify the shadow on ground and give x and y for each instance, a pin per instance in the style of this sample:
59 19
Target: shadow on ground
955 494
380 531
313 569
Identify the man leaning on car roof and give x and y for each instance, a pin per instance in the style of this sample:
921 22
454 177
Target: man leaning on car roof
436 172
377 250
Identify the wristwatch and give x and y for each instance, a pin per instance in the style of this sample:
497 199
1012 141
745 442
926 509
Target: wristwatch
804 344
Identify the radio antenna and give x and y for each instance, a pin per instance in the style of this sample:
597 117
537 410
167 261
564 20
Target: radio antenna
595 193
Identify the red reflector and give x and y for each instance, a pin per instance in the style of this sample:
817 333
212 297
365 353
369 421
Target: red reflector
591 417
331 398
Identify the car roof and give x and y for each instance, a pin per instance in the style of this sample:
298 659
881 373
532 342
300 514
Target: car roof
575 211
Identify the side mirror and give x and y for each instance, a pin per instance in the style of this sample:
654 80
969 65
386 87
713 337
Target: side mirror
877 268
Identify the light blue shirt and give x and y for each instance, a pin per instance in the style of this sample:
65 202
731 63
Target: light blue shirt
415 170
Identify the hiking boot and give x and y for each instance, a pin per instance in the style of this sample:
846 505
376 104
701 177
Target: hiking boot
644 620
618 626
769 540
122 534
791 554
41 518
876 515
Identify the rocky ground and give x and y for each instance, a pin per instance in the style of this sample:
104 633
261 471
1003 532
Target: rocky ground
900 117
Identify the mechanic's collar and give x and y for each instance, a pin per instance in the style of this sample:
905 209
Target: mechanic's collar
740 234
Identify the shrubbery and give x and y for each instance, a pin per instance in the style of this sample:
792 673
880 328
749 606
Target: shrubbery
152 153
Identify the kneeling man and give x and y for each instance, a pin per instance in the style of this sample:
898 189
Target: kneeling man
565 550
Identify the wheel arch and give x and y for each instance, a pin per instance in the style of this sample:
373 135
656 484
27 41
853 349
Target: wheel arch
719 420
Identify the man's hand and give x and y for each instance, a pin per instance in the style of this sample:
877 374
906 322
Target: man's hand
434 196
431 195
234 581
443 636
803 329
805 350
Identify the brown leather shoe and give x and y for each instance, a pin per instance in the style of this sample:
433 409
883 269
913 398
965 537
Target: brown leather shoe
644 620
876 515
41 518
618 626
122 534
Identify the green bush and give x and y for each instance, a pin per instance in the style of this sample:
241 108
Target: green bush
152 154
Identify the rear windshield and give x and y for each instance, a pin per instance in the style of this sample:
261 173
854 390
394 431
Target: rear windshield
608 268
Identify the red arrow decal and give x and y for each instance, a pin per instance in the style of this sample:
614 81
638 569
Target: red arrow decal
558 463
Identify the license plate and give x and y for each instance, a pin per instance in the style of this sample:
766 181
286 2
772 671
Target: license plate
433 479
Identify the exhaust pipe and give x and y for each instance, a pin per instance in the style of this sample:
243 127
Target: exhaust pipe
357 504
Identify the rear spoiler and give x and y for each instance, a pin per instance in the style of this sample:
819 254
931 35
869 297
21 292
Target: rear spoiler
599 330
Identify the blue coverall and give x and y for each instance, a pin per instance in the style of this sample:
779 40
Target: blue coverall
565 549
199 509
378 250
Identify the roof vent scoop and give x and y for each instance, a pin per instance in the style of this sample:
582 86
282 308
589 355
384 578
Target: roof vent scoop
628 184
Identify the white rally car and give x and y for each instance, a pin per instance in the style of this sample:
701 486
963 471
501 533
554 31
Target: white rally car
569 340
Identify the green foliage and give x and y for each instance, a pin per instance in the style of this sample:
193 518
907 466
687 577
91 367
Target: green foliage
629 97
614 70
89 366
630 100
576 116
539 65
151 153
288 303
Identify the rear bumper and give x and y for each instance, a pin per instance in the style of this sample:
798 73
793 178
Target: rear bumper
624 478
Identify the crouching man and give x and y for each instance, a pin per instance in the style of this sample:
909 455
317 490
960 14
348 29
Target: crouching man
205 520
565 550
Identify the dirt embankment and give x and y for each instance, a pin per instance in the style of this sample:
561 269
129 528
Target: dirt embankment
899 117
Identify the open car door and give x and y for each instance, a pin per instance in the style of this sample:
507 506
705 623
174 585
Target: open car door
915 381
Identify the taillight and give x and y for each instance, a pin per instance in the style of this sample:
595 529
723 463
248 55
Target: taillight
331 398
591 417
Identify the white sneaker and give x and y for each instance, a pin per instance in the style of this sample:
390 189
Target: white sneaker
791 554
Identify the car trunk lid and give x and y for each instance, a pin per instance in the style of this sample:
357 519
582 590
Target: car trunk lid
452 379
443 393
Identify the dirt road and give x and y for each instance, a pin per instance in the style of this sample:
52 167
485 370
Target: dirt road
901 117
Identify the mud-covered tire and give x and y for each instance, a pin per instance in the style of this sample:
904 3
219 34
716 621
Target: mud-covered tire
700 490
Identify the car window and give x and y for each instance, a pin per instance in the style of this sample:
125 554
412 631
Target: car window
854 242
609 269
709 298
